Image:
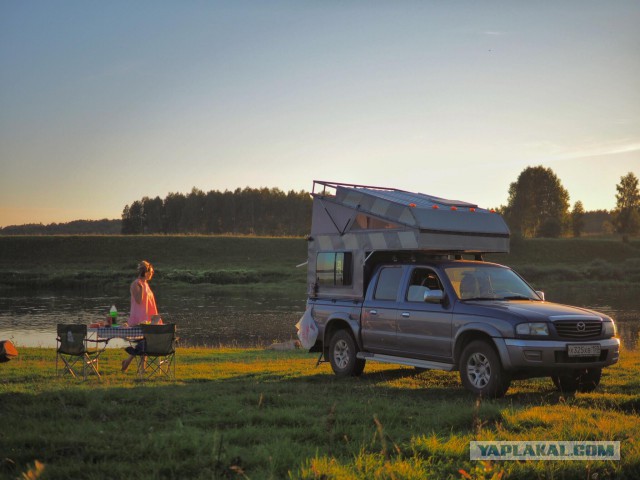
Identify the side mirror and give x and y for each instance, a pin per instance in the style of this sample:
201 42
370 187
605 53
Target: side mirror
433 296
540 293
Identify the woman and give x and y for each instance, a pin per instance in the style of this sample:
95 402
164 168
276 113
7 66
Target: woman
143 306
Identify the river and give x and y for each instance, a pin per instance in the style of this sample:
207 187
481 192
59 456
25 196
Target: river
229 318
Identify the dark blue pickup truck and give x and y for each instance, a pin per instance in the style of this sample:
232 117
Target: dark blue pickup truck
387 280
477 317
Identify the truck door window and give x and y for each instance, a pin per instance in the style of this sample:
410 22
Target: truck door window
388 283
422 279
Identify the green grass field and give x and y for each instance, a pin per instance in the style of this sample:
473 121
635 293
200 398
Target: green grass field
262 414
71 261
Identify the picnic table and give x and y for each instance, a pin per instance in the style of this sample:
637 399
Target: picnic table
108 333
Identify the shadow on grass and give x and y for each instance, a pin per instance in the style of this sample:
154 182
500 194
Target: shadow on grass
249 419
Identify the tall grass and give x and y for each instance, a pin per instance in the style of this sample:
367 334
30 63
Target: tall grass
269 415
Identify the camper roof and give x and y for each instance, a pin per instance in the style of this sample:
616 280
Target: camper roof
390 208
401 197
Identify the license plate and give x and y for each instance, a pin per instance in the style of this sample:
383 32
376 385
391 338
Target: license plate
584 350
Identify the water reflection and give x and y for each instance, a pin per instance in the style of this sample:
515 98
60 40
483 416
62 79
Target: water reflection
620 304
236 318
208 319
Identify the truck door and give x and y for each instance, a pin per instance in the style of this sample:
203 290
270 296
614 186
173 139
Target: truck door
380 311
424 329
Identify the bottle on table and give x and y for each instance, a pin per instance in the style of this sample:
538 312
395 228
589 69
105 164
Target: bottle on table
114 315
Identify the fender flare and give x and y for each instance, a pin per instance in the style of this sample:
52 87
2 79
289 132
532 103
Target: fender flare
341 320
484 329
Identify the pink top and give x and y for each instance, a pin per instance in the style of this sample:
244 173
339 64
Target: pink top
142 312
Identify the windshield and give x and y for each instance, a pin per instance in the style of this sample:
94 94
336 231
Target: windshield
487 282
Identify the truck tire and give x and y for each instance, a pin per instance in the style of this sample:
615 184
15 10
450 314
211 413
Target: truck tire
585 380
342 355
481 371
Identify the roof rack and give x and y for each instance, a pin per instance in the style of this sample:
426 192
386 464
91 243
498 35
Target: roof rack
334 185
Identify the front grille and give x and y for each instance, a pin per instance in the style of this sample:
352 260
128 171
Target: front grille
579 328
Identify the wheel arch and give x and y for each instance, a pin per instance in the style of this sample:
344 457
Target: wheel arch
339 322
486 333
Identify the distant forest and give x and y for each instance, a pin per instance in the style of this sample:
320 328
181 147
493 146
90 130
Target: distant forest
76 227
248 211
244 211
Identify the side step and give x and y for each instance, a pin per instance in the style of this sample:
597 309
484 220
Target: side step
412 362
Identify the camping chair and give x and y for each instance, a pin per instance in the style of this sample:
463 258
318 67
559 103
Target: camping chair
7 351
158 355
74 352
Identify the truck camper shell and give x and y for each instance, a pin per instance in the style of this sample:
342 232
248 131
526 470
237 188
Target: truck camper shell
353 225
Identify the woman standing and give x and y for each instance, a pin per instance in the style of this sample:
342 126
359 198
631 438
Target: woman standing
143 302
143 306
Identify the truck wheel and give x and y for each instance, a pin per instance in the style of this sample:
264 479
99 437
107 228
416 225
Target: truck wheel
481 371
342 355
578 380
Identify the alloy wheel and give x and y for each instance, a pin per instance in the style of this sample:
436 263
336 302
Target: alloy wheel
479 370
341 354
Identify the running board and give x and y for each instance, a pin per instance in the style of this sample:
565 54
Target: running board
412 362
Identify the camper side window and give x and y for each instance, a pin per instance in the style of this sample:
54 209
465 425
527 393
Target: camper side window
365 222
333 269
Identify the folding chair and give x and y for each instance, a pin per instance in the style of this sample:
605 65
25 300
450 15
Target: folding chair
7 351
157 356
73 351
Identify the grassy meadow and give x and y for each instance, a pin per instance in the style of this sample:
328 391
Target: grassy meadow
77 261
225 261
262 414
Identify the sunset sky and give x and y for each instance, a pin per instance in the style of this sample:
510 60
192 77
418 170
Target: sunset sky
102 103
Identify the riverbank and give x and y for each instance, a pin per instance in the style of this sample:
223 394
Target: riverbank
260 414
107 261
224 261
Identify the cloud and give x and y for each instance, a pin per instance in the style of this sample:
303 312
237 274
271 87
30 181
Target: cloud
494 33
593 150
546 152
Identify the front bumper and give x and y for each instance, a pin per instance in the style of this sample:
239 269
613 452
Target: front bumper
548 354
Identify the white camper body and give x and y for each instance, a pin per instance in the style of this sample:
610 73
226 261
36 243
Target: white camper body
354 224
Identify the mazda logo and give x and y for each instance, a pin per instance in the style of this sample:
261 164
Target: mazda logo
581 326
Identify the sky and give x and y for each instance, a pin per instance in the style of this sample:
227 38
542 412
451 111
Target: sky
103 103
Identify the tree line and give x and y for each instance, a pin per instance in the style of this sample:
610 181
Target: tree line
248 211
75 227
538 206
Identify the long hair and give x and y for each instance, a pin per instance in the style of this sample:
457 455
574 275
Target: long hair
143 268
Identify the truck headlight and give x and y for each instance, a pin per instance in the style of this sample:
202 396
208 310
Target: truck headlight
532 329
609 329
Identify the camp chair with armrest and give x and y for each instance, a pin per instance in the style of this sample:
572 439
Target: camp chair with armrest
158 355
7 351
73 351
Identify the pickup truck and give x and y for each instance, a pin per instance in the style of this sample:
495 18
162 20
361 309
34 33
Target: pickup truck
476 317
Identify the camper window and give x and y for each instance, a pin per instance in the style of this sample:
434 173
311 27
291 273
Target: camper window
364 222
334 268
